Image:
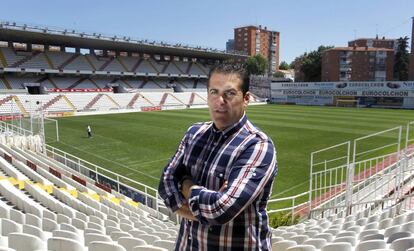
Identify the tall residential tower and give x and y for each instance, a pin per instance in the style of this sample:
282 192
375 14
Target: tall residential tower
256 40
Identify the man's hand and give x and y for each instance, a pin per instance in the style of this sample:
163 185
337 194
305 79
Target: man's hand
185 212
188 183
186 188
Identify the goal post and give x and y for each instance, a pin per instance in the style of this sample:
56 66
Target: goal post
49 127
347 103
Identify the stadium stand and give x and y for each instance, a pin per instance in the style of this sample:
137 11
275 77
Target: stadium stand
127 72
48 209
49 205
45 208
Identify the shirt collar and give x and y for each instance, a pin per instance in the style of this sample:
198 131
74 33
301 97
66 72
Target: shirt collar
231 129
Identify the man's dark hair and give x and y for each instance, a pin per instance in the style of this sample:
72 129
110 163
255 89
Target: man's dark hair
232 68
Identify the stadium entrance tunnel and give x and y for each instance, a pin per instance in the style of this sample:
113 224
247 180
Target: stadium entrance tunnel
35 88
116 88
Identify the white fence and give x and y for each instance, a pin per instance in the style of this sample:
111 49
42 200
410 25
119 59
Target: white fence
369 173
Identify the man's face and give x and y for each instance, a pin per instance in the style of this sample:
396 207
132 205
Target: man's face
225 99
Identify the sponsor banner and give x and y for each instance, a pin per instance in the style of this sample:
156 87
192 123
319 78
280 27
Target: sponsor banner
60 114
350 93
10 117
350 86
81 90
151 108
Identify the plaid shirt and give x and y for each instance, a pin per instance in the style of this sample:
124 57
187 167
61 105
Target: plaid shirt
235 219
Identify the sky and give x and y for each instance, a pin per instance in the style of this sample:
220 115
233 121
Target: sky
303 24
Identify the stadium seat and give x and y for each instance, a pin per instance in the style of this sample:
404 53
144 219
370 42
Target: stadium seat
7 249
129 242
340 246
63 244
299 239
362 221
79 224
105 246
327 236
8 226
372 225
346 233
115 235
368 232
283 245
398 235
90 237
67 234
169 245
288 235
92 231
148 238
34 220
370 245
408 227
349 239
373 237
148 248
385 223
402 244
391 230
25 242
36 231
67 227
136 232
398 220
355 229
302 248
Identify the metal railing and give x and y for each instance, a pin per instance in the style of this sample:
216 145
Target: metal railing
358 180
117 182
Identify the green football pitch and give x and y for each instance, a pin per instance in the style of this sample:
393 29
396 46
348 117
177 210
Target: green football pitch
139 145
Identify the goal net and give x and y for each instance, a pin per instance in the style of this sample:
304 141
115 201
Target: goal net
347 103
50 127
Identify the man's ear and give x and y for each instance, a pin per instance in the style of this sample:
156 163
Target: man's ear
246 98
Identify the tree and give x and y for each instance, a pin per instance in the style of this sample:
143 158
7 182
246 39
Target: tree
257 65
278 74
401 60
283 66
311 64
292 64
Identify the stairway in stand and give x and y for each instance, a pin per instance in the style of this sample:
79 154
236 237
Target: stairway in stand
93 102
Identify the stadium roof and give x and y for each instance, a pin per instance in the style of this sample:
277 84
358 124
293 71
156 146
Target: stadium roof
22 33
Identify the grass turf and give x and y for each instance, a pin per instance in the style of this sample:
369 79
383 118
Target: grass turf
139 145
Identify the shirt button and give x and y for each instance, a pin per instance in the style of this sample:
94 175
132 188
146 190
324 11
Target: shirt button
221 175
254 174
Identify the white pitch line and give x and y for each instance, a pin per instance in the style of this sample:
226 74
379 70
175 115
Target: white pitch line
287 190
111 161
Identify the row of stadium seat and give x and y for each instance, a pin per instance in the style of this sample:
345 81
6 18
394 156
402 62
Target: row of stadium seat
90 62
52 82
44 208
22 103
362 231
